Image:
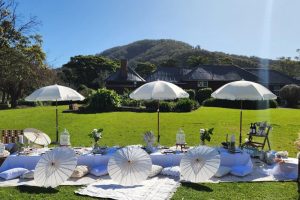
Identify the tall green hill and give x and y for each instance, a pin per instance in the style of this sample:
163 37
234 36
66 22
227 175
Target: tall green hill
171 52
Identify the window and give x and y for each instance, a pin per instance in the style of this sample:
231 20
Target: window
202 84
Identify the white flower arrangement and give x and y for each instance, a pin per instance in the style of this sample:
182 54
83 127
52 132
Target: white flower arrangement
96 134
149 138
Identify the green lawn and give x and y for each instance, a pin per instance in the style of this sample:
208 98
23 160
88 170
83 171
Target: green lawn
122 128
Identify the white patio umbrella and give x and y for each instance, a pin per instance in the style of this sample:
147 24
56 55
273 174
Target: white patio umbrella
199 164
243 90
55 93
55 167
36 136
158 90
129 166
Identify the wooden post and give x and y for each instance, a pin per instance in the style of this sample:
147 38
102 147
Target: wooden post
241 122
56 121
158 135
298 177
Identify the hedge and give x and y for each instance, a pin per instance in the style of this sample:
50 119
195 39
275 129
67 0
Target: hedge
181 105
252 105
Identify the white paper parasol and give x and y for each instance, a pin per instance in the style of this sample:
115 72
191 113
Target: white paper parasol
36 136
129 166
55 167
199 164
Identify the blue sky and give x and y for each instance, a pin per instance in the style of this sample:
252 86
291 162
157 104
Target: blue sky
266 28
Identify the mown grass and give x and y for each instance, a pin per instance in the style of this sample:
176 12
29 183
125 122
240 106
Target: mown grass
123 128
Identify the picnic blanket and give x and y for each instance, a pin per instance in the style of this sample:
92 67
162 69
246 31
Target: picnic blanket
158 188
88 179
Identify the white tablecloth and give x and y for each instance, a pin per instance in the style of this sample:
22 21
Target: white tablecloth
165 160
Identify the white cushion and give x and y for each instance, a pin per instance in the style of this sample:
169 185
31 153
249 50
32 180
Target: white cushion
99 170
241 170
28 175
12 173
156 169
222 171
171 171
80 171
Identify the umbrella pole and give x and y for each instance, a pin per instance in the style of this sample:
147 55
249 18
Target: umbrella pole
241 117
158 135
56 121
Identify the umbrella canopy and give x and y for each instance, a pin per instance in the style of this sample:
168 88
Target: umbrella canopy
55 93
129 166
199 164
55 167
36 136
158 90
243 90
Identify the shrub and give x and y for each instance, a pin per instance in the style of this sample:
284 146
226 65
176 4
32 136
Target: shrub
203 94
104 100
151 105
130 102
22 102
164 106
186 105
291 94
211 102
4 106
192 94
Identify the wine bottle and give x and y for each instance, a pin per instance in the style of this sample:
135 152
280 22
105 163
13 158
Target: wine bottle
254 128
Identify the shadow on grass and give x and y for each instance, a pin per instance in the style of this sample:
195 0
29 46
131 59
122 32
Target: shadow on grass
298 184
196 186
37 190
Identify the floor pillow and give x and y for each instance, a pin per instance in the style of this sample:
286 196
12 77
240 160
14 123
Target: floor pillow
99 170
241 170
171 171
28 175
222 171
13 173
80 171
156 169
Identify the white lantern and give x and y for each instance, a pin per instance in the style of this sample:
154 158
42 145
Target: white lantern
65 138
2 148
180 137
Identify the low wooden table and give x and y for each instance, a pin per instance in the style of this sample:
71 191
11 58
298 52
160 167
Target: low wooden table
2 159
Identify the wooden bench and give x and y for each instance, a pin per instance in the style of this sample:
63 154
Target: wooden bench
10 136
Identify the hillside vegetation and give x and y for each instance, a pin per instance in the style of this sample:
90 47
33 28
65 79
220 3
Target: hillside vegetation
176 53
146 55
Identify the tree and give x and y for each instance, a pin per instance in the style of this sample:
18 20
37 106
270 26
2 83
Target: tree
193 60
169 63
22 66
88 70
290 93
289 66
145 69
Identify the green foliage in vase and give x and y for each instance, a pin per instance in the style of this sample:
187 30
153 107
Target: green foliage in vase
205 134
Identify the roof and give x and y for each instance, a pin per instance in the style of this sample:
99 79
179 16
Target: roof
219 73
170 74
132 76
272 76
